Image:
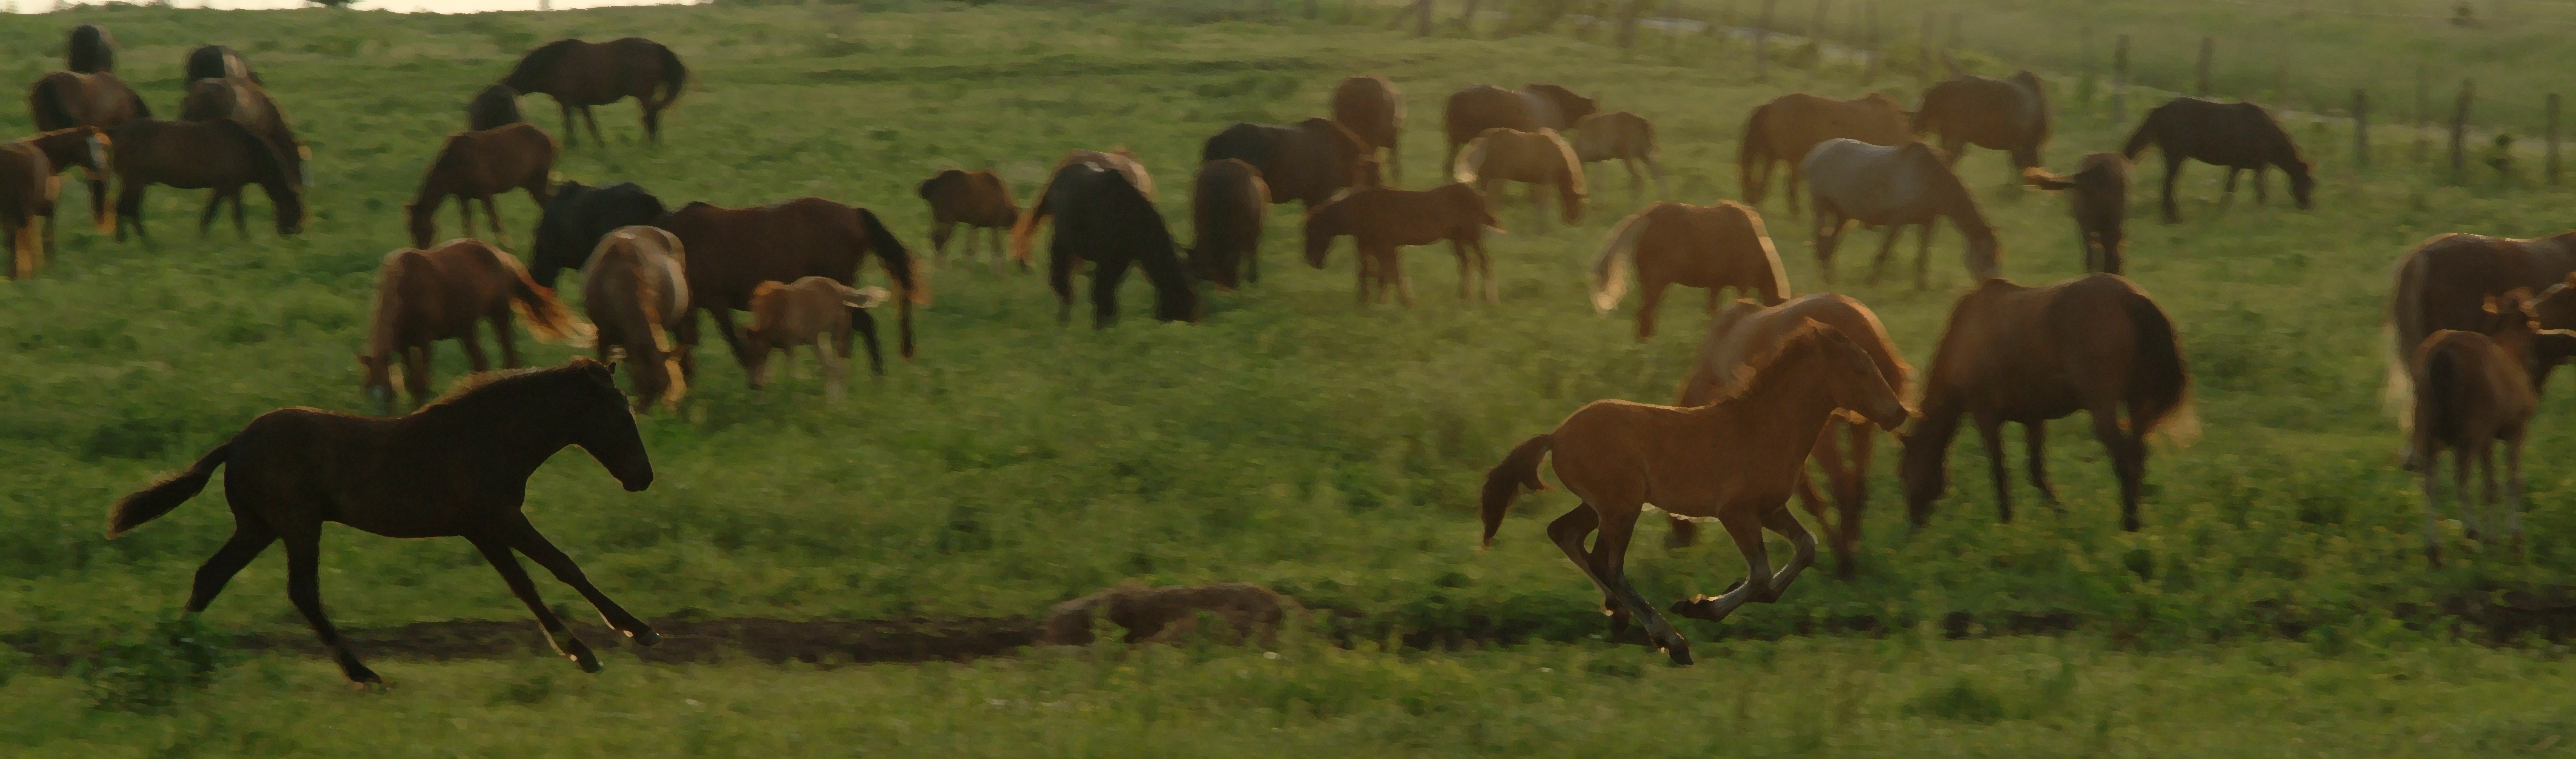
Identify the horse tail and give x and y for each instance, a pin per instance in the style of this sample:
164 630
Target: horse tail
1569 185
1779 279
166 493
1503 483
1470 161
546 316
1024 231
1610 269
2441 383
2405 317
897 263
2141 137
1751 150
674 76
2159 387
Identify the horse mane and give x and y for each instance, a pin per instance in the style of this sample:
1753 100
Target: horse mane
487 386
1809 336
1573 165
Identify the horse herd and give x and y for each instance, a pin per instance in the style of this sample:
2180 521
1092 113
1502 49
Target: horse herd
1778 380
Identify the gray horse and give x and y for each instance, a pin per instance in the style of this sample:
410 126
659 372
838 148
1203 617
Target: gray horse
1892 188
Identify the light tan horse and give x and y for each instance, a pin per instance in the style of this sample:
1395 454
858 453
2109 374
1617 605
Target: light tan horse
423 296
1622 136
815 312
1746 330
1713 246
2476 391
1735 460
1535 158
635 289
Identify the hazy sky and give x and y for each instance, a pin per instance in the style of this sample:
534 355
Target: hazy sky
406 6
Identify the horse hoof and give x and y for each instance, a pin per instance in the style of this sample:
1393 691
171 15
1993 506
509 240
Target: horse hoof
587 664
1681 654
645 637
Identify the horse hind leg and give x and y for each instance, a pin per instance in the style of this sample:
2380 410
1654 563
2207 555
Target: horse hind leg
1992 431
2461 461
1609 567
304 588
1568 533
2128 460
557 634
2173 172
592 121
250 536
2034 435
501 333
1104 291
492 218
2431 472
474 358
1802 546
241 221
214 207
1746 529
568 127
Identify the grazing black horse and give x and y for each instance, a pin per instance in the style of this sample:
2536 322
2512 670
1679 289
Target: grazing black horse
578 216
1101 218
219 62
2238 136
92 50
1308 161
495 107
457 467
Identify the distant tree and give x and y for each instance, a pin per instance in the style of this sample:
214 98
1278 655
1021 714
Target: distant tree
342 4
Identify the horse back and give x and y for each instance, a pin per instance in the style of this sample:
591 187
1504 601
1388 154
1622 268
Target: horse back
731 251
1369 107
2469 389
1473 110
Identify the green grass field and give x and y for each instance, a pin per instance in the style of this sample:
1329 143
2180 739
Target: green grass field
1328 451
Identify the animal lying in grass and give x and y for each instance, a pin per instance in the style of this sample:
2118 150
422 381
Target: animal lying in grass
811 312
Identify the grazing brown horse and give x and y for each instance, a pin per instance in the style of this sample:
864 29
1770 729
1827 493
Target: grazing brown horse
978 199
219 62
733 250
1625 137
1501 155
475 166
1024 233
492 108
1789 126
221 156
245 102
2238 136
2009 114
62 100
456 467
84 147
1308 161
1747 329
1735 460
1712 247
583 74
91 49
635 289
813 312
2032 354
26 195
1381 221
1533 107
1892 188
424 296
1371 108
2445 283
2100 203
1102 218
1228 206
2476 391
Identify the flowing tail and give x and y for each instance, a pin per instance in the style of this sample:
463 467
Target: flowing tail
2160 398
897 262
674 76
1024 232
165 494
1470 161
2405 315
548 320
1518 469
1751 151
1610 269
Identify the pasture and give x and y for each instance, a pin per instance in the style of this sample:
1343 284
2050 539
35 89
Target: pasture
2275 602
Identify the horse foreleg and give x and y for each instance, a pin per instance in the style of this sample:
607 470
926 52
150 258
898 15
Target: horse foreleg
492 218
684 340
1465 268
524 536
1802 546
557 635
2227 192
652 119
1746 529
502 334
304 588
2262 195
1851 498
2034 436
250 536
1104 290
1886 250
2173 171
939 232
1636 184
1991 429
214 206
129 208
1366 266
1650 296
2128 459
1403 280
1662 188
593 122
416 373
2486 503
733 339
241 222
465 215
1060 278
1485 268
1923 256
474 359
568 125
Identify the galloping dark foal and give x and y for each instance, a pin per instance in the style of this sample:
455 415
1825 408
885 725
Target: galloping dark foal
2238 136
576 219
222 156
476 166
1381 221
458 467
2100 202
583 74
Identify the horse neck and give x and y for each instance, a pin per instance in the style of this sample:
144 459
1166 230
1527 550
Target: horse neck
1788 395
509 425
1961 206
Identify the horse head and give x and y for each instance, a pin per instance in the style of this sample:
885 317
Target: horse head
1322 224
604 425
2303 181
377 382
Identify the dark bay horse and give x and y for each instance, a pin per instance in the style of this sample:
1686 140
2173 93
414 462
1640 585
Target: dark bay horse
458 467
635 289
1228 206
1712 247
732 250
578 216
63 99
2446 282
583 74
1789 126
91 49
1371 108
1735 460
475 166
2009 114
1381 221
219 62
249 104
1746 330
2238 136
1892 188
978 199
2098 197
1102 218
222 156
1471 111
1624 137
2032 354
26 196
1541 158
493 108
1308 161
424 296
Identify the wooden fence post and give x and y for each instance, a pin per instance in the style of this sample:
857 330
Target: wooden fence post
1762 43
1816 27
2208 50
2361 128
2423 109
1628 24
1467 17
1869 69
2120 80
2551 170
1954 35
1313 8
2460 130
1931 26
1422 23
